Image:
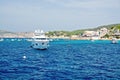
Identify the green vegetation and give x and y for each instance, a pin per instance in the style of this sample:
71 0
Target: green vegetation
106 36
58 33
112 28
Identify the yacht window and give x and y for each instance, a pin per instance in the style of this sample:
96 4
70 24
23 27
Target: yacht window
42 43
36 44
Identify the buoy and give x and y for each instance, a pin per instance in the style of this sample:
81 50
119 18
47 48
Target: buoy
24 57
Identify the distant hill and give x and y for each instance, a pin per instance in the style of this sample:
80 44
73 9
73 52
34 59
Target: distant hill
4 32
78 32
111 27
8 34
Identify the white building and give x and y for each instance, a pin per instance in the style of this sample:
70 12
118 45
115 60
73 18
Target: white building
103 32
91 35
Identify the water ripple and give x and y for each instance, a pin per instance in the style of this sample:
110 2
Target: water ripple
64 60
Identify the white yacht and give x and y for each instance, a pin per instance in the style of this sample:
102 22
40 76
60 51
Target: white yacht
114 41
40 41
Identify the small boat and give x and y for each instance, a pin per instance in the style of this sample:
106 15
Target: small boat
114 41
40 41
1 39
19 40
50 39
12 39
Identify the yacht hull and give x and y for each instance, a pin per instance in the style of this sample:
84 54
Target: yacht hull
40 45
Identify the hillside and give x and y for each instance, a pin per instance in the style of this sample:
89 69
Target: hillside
111 27
8 34
78 32
81 31
5 32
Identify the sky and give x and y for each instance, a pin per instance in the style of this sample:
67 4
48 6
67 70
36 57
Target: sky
50 15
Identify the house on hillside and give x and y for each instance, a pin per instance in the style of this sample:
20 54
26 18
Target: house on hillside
91 35
95 34
116 34
103 32
74 37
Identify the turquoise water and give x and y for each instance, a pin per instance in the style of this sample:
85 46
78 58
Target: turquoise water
63 60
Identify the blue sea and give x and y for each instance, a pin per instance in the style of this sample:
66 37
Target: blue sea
63 60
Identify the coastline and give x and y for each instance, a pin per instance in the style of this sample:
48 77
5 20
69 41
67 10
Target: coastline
65 38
